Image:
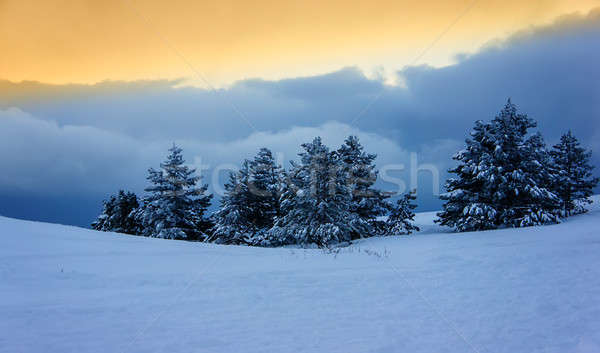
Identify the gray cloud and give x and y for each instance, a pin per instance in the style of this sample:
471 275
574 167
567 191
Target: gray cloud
49 164
46 158
78 140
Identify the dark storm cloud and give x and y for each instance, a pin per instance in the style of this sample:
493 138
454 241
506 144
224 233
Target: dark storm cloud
551 73
91 139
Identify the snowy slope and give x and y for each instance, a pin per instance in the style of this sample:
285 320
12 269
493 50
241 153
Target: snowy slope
66 289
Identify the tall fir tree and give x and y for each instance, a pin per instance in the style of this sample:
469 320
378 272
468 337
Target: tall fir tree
469 204
524 197
118 214
541 202
498 182
250 203
575 182
265 187
176 207
316 202
233 220
368 202
401 218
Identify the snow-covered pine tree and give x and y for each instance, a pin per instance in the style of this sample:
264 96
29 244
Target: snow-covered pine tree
264 186
469 205
542 204
498 182
520 193
203 223
368 203
117 214
401 218
251 202
108 210
233 223
176 206
315 206
275 235
574 183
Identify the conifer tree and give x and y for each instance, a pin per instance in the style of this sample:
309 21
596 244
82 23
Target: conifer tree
469 203
401 218
176 206
521 193
542 204
265 187
498 179
251 202
315 205
117 214
108 210
233 220
574 183
368 203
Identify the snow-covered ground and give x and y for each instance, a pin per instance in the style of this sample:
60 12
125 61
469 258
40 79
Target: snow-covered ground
67 289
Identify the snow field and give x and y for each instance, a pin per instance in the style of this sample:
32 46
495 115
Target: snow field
67 289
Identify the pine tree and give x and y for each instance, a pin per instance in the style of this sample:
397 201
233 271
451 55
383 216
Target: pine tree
542 204
316 202
251 202
117 215
264 186
469 205
233 220
368 203
175 207
498 178
402 215
574 183
108 210
523 198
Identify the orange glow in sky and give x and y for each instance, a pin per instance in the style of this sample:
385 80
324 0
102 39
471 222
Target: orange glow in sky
85 41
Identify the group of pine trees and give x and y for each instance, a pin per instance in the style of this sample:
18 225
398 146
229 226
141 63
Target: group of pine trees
327 197
507 177
175 207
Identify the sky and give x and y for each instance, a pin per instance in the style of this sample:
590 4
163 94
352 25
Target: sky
88 41
93 93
